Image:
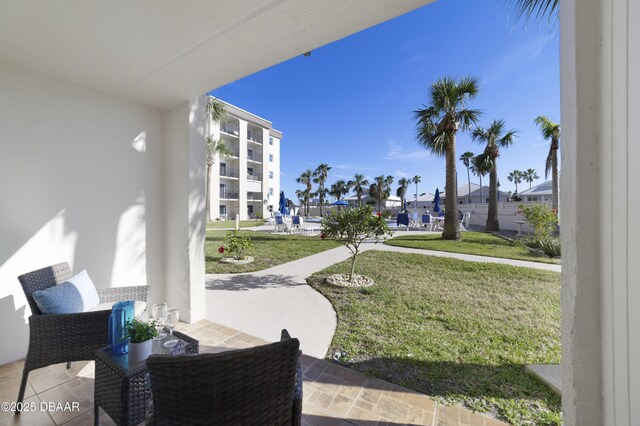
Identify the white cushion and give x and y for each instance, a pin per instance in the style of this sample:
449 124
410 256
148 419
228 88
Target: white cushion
138 307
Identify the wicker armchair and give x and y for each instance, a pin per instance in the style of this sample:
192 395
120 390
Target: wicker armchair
57 338
254 386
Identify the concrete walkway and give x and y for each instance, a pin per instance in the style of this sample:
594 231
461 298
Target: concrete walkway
264 302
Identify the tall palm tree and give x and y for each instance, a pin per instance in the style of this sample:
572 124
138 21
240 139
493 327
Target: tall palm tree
478 173
438 124
529 176
306 178
466 160
359 183
416 179
402 190
551 130
495 137
338 189
515 177
320 175
381 189
217 111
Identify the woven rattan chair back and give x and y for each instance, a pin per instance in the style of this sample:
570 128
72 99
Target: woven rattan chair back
252 386
41 279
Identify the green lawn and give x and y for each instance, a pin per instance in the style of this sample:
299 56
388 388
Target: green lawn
479 243
459 331
267 249
232 223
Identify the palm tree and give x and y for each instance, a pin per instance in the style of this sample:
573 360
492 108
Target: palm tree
359 183
478 173
416 179
437 127
466 160
551 130
339 189
381 189
213 147
495 137
529 176
301 198
320 177
515 177
306 178
402 190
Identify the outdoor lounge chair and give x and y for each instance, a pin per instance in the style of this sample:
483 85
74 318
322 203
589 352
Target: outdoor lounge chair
254 386
402 219
426 221
58 338
296 223
281 224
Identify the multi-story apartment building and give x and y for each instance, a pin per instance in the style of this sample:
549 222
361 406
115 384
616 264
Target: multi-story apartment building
247 182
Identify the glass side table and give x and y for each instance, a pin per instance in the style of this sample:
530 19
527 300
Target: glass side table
122 388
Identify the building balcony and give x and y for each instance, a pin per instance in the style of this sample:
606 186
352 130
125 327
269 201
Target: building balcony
229 130
228 195
254 178
229 173
254 137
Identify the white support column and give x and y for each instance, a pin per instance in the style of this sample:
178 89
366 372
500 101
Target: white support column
184 179
214 195
600 51
242 180
266 167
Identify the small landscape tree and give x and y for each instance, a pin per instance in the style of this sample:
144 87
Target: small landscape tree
351 227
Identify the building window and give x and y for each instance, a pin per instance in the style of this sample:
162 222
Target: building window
270 175
270 140
271 158
223 210
270 191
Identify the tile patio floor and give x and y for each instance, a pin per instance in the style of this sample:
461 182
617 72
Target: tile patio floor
333 395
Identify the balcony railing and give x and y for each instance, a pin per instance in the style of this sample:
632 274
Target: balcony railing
229 195
252 137
227 172
254 177
229 130
254 156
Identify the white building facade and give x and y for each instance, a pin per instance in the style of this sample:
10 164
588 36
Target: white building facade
247 182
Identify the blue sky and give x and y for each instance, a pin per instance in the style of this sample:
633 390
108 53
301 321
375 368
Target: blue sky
350 104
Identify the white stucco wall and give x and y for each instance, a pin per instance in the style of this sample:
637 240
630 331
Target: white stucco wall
80 181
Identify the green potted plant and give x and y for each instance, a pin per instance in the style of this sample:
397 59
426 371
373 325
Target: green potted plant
140 334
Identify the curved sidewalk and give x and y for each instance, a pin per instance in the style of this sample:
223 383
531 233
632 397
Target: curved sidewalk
264 302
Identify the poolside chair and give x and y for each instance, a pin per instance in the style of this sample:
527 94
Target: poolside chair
463 220
281 224
58 338
254 386
414 223
402 220
426 221
296 223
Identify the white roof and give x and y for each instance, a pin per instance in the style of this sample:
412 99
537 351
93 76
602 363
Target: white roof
165 53
543 189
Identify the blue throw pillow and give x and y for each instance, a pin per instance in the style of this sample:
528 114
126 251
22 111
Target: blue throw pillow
78 294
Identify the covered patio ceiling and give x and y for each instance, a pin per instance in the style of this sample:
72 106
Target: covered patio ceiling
162 53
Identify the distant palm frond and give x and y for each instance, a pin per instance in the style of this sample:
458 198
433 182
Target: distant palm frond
535 8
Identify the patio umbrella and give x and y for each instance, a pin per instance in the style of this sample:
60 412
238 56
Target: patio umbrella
436 201
282 204
340 203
